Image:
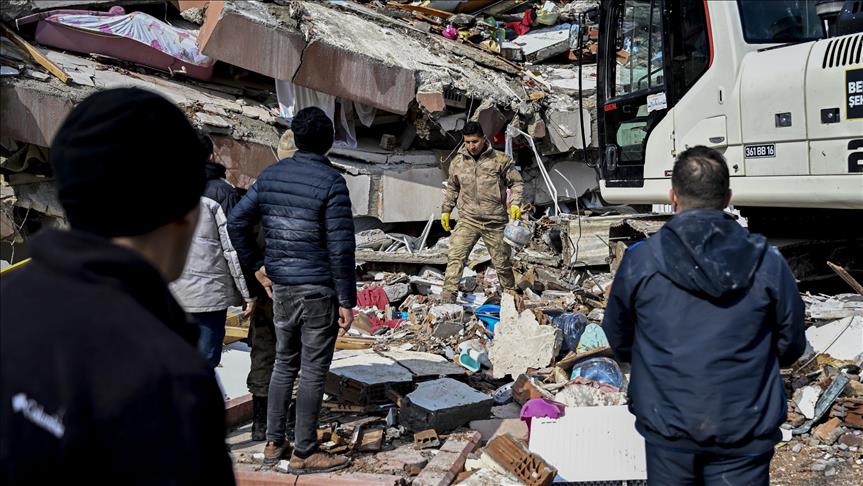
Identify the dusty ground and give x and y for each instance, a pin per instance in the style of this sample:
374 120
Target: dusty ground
796 469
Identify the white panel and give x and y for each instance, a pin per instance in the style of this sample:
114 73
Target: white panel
591 444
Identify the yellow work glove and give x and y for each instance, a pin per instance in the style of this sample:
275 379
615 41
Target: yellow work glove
444 221
514 213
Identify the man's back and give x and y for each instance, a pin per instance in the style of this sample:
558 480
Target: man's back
304 208
715 312
100 377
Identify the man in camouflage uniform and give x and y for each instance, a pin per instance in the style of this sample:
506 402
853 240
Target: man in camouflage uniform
479 177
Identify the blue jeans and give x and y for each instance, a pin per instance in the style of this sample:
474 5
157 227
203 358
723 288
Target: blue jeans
212 327
306 322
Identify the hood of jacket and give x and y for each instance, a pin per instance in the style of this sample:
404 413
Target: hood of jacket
706 251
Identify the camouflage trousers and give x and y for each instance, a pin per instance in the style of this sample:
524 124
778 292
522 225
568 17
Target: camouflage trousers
465 235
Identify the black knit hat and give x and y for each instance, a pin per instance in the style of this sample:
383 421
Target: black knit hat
313 130
127 161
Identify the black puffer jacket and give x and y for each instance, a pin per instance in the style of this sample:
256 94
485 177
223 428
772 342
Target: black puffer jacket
304 208
706 313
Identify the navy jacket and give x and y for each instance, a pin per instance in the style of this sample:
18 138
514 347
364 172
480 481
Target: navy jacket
304 209
706 313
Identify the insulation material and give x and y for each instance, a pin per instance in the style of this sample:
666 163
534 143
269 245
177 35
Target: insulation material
591 444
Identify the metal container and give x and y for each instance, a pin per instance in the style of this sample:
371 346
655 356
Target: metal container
517 234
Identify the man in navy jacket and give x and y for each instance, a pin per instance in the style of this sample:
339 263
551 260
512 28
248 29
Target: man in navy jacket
706 313
304 208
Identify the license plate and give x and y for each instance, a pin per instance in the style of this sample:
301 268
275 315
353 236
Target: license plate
760 151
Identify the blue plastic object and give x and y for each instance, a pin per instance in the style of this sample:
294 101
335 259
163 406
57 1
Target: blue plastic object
593 337
572 324
489 314
600 370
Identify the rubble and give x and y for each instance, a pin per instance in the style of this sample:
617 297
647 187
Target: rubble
402 91
521 342
443 405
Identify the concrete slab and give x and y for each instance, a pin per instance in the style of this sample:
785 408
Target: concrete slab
494 427
425 365
233 30
365 376
234 369
405 458
443 405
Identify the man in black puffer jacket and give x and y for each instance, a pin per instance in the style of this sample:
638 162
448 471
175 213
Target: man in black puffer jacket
706 313
305 211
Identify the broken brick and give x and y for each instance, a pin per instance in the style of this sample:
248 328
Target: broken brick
828 433
516 459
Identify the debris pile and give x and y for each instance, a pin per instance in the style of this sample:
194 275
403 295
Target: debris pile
399 80
824 427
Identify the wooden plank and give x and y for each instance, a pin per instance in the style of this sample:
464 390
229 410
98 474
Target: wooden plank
424 10
36 54
236 332
844 275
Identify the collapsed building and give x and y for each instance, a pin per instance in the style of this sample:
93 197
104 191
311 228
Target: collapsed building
397 88
473 392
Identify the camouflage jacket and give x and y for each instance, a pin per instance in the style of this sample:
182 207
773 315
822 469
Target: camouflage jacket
479 186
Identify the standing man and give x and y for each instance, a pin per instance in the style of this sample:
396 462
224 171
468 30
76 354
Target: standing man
262 332
213 279
97 360
305 210
706 313
479 177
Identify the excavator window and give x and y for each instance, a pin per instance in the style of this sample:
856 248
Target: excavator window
780 21
639 42
654 52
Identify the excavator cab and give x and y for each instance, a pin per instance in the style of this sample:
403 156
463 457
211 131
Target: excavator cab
651 55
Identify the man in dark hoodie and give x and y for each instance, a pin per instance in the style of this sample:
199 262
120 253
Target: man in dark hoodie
706 313
100 380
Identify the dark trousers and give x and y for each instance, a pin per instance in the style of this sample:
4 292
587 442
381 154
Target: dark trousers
306 322
262 338
673 467
212 327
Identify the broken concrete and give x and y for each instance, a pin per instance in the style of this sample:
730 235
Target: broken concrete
829 432
520 342
334 52
443 405
494 427
402 459
424 365
805 399
847 347
449 461
363 376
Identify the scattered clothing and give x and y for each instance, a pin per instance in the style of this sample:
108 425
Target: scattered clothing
373 297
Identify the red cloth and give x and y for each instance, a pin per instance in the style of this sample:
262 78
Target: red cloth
377 323
523 26
373 297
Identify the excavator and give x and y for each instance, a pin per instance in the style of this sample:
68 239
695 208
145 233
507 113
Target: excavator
775 85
